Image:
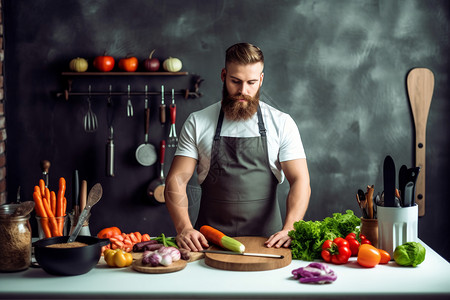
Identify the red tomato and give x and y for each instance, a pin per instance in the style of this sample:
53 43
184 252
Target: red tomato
104 63
351 235
106 233
368 256
385 256
353 244
129 64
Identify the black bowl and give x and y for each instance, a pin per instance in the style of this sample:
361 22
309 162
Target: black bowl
69 261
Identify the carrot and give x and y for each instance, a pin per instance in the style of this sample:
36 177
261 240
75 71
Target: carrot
217 237
52 198
42 187
37 189
211 234
138 236
145 237
40 211
51 217
60 198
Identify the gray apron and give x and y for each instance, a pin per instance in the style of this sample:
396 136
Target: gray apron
239 192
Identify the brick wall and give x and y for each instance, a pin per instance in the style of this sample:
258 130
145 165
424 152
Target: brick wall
3 194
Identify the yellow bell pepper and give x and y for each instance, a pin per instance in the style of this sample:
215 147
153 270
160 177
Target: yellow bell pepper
118 258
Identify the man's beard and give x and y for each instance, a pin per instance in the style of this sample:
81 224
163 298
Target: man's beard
236 110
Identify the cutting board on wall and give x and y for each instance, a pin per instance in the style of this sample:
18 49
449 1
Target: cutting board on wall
249 263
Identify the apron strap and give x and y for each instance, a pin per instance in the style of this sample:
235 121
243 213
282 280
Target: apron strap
262 129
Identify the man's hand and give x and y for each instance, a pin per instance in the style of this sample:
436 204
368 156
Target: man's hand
192 239
279 239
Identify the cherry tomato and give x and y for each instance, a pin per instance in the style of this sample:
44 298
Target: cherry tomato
368 256
351 235
385 256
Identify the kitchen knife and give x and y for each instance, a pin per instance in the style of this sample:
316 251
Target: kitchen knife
389 181
409 194
244 253
402 181
412 175
76 193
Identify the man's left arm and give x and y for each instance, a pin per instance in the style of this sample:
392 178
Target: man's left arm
296 172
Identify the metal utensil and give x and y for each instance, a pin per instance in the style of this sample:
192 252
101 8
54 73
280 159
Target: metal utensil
412 176
244 253
162 108
156 187
420 84
110 142
95 194
129 104
173 139
409 194
90 119
146 153
45 166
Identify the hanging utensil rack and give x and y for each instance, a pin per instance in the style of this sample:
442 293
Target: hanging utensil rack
187 93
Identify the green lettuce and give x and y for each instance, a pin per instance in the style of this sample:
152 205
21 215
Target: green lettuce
308 236
409 254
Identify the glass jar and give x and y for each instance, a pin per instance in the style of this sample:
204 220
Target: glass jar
15 240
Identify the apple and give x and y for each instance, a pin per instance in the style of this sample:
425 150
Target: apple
151 64
104 63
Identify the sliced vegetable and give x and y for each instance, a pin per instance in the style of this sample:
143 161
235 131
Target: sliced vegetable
315 273
368 256
336 251
215 236
409 254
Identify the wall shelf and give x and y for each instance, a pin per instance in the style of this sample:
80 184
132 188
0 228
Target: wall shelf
187 93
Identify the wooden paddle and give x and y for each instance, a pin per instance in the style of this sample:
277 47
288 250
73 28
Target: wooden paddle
420 84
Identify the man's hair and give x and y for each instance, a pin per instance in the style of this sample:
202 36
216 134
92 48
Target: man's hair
244 53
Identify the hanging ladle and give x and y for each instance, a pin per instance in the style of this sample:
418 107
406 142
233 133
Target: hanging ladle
95 194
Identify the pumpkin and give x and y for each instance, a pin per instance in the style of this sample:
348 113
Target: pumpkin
78 65
172 64
129 64
104 63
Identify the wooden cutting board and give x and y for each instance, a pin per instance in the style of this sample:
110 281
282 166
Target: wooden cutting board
249 263
175 266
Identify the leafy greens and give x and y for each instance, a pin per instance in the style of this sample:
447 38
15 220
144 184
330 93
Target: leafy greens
308 236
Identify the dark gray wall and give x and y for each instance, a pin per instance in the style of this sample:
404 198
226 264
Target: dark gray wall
338 67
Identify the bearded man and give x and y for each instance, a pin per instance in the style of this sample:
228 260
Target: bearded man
242 149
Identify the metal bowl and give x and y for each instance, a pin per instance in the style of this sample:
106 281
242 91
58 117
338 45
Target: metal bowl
68 261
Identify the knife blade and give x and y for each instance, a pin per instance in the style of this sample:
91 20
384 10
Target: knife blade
402 181
409 194
412 175
244 253
389 181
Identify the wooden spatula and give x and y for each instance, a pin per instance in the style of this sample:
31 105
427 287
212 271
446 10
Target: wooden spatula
420 84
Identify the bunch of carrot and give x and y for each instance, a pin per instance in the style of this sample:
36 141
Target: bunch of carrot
49 205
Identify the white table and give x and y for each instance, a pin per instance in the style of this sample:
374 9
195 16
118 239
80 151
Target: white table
197 281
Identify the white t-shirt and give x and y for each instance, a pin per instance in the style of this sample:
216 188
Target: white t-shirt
283 138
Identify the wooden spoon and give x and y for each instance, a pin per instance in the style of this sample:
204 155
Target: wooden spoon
420 84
